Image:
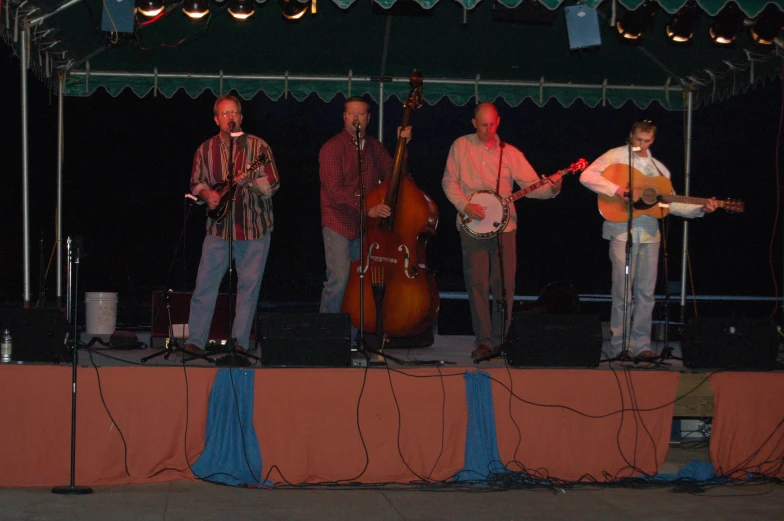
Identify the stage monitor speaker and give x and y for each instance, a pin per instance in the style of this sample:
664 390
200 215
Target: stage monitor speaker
730 343
305 339
582 27
554 341
40 335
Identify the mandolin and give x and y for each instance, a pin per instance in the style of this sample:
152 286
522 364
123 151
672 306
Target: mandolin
226 189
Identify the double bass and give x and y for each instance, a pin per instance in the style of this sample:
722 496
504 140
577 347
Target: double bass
395 271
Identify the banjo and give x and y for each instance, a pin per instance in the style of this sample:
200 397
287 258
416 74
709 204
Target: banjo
497 207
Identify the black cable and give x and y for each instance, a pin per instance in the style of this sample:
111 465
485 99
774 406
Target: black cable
106 408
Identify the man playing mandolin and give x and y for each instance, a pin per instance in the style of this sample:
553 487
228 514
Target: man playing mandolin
613 190
255 181
481 161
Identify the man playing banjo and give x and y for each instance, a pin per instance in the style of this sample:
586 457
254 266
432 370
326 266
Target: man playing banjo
481 161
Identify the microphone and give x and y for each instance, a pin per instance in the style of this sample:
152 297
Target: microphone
501 143
232 125
629 144
356 123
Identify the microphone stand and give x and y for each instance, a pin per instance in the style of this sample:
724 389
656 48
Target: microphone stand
172 345
627 268
234 356
73 277
500 303
362 228
666 352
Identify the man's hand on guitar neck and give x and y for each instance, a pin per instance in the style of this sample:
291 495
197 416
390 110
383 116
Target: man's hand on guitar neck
211 197
710 205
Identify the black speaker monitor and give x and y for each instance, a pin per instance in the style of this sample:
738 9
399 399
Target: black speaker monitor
730 343
554 341
305 339
40 335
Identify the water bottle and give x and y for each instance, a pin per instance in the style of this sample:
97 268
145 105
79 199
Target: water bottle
5 348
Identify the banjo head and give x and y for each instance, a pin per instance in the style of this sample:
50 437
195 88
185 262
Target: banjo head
496 215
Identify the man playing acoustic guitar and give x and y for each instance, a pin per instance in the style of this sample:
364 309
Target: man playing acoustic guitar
608 176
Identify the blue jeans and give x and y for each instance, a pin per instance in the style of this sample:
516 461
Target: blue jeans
644 265
339 252
250 257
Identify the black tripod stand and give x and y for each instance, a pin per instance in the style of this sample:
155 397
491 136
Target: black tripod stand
666 350
74 253
234 357
172 344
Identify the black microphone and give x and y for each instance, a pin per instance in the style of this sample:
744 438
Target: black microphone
232 125
501 143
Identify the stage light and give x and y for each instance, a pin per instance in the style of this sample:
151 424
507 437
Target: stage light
149 8
681 26
726 24
241 9
767 26
296 9
635 22
196 8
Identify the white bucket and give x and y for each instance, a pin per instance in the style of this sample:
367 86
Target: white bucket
101 311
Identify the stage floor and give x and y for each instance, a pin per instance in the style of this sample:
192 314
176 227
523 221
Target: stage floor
447 350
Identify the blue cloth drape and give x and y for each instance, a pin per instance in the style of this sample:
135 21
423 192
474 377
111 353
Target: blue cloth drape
481 452
231 449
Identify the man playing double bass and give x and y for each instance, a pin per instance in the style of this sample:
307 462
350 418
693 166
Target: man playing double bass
340 211
481 161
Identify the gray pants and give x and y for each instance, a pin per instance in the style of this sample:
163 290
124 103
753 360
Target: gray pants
643 267
482 274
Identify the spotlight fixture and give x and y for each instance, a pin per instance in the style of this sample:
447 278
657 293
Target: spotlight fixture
241 9
196 8
149 8
680 29
635 22
296 9
767 26
726 24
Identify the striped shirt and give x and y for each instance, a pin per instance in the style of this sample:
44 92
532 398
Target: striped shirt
252 211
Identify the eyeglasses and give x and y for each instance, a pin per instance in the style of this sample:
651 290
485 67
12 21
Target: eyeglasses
227 113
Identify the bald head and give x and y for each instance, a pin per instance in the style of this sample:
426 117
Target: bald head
486 121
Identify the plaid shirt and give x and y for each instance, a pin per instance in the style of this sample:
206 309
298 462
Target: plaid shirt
338 170
252 211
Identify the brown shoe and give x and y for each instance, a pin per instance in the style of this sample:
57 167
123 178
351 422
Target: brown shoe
646 354
193 349
483 352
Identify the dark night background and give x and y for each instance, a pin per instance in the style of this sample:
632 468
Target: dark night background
127 165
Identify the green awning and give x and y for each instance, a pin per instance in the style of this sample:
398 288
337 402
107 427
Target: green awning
460 50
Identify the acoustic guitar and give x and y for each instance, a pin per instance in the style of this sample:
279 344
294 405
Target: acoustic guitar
226 189
648 192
